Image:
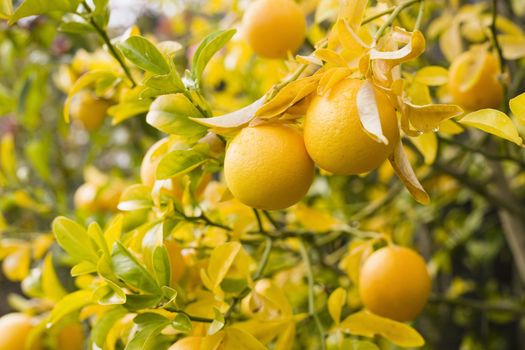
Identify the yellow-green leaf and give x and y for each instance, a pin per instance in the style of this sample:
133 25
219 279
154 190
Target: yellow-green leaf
432 76
336 301
493 122
51 285
404 171
221 260
366 324
16 265
8 156
235 119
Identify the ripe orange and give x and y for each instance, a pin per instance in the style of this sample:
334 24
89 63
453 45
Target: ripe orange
473 80
89 110
71 337
394 283
267 167
333 134
177 262
274 27
188 343
16 328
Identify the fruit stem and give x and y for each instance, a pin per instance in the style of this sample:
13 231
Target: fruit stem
311 300
420 15
396 11
102 33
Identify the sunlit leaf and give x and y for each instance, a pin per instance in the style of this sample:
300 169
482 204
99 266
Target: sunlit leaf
404 171
70 303
74 239
432 75
493 122
6 9
517 106
428 117
353 11
235 119
39 7
336 301
366 324
207 48
427 145
179 162
221 260
141 52
136 197
369 112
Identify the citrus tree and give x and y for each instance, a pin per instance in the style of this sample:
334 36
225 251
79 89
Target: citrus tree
264 174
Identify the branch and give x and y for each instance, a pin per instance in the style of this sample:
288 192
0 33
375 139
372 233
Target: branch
478 305
311 301
397 10
102 33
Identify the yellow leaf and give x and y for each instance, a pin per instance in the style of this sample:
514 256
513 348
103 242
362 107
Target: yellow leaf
330 57
358 251
355 42
432 76
235 119
336 302
51 285
450 42
366 324
427 145
369 113
415 46
288 96
331 77
8 156
450 127
314 219
353 11
404 171
493 122
428 117
16 265
221 260
513 46
517 106
239 339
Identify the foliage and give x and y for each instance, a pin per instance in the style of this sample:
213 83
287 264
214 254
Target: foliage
136 265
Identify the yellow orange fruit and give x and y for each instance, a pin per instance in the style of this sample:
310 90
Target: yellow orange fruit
71 337
473 80
89 110
273 28
188 343
16 328
334 136
177 262
394 283
267 167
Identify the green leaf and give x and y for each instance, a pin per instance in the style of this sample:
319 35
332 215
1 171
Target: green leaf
70 303
179 162
8 155
171 114
51 285
37 152
233 285
161 266
127 109
109 294
131 271
163 84
74 239
207 48
139 302
182 323
366 324
218 322
40 7
103 326
75 28
145 55
136 197
150 325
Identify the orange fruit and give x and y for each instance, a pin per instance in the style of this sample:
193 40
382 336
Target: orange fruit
473 80
333 134
188 343
273 28
267 167
394 283
16 328
89 110
71 337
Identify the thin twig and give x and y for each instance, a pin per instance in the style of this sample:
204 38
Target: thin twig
311 300
102 33
420 15
393 16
